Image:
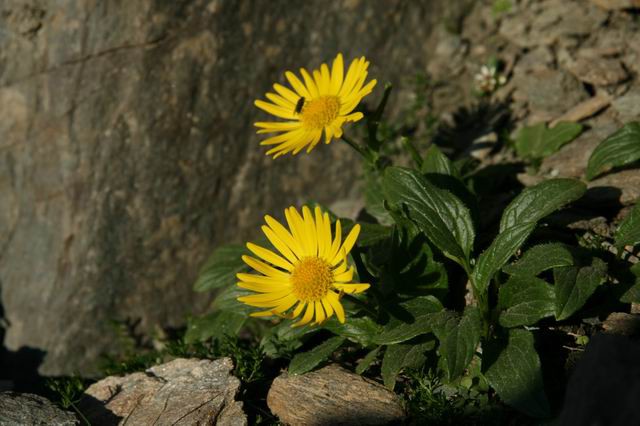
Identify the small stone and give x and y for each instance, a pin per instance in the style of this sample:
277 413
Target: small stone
628 106
28 409
622 323
598 71
180 392
584 109
333 395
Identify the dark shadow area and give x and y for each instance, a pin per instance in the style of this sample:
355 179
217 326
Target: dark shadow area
96 413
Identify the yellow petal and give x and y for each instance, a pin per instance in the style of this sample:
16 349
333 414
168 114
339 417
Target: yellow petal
279 244
325 79
352 288
284 235
286 94
309 83
320 316
280 101
310 231
327 307
336 243
270 256
308 315
261 288
348 244
264 268
278 125
345 276
297 84
275 110
333 299
298 310
337 72
261 279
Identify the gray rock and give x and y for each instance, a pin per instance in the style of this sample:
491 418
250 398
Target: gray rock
598 71
549 92
127 151
18 409
604 388
180 392
628 105
333 396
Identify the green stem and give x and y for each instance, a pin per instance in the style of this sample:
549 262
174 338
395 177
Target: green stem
374 120
365 153
415 155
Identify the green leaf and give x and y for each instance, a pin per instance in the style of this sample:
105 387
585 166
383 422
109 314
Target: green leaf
436 162
371 234
524 300
443 218
374 198
512 367
214 326
306 361
541 258
418 316
361 330
628 233
574 285
221 268
538 141
540 200
397 357
633 294
499 252
619 149
459 338
365 363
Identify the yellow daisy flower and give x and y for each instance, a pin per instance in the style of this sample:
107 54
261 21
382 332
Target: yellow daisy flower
310 273
323 102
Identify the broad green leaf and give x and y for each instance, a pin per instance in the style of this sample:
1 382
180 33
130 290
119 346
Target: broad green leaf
418 316
221 268
512 367
619 149
365 363
374 198
459 338
436 162
397 357
214 326
541 258
628 233
371 234
633 294
524 300
443 218
282 340
540 200
307 361
499 252
574 285
538 141
361 330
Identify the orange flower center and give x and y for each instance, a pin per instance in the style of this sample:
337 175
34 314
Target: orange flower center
320 112
311 279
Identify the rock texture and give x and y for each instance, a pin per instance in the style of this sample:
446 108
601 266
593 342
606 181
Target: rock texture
333 396
180 392
604 388
34 410
127 151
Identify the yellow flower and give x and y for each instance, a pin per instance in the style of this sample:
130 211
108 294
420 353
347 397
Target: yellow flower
310 273
322 103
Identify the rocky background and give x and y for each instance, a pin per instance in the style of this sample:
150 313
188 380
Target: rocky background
127 151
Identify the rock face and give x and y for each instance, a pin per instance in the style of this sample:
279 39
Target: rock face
127 151
180 392
27 409
333 396
604 388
